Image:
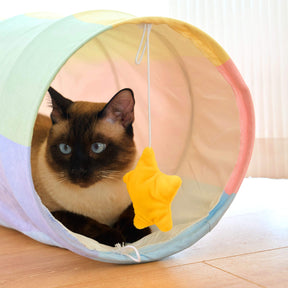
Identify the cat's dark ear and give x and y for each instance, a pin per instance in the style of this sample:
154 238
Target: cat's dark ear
120 108
60 106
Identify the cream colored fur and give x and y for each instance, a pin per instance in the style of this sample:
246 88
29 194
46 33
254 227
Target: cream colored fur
103 201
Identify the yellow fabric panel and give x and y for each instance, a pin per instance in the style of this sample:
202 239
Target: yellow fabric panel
208 46
103 17
166 45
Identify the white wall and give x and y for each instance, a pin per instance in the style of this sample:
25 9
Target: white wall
11 8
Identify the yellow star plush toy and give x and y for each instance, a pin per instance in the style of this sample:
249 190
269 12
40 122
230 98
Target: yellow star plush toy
151 192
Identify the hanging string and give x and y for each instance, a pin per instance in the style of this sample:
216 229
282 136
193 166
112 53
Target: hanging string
146 31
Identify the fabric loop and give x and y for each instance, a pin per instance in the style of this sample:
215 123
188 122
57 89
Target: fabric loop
127 250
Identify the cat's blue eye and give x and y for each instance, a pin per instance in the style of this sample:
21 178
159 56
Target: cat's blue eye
65 148
98 147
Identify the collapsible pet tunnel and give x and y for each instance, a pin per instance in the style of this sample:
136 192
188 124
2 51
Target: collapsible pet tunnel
202 117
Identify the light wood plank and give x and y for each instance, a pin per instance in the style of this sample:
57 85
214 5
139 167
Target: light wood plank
239 235
268 268
187 276
38 265
52 267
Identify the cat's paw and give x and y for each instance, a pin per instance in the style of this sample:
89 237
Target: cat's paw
110 237
127 228
133 234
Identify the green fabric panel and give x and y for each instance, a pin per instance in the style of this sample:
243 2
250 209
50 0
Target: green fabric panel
15 34
33 52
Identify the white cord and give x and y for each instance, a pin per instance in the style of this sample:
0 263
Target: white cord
125 250
147 27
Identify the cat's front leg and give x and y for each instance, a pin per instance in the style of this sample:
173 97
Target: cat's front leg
90 228
127 228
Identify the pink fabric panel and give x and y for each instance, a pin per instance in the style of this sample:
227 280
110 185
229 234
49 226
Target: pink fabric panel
247 124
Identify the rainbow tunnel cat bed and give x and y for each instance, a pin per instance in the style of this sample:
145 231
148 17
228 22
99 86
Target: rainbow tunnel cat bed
201 110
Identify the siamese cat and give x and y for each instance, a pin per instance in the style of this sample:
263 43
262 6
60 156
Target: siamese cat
78 159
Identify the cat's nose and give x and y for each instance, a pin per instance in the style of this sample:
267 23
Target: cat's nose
78 173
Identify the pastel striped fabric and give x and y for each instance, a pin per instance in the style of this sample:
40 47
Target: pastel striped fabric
202 117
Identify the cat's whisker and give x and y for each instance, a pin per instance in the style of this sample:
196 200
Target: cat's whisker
61 180
61 177
110 175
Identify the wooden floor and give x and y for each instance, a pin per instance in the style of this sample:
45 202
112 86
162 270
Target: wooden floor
248 248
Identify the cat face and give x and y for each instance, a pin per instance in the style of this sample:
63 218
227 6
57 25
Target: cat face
91 142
